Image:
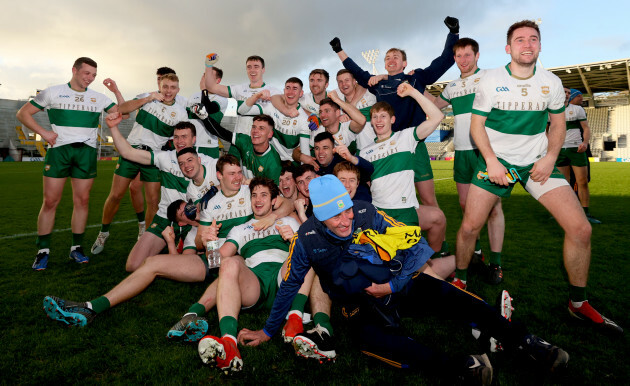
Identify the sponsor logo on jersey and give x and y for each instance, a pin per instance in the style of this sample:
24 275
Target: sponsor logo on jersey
310 233
544 89
362 211
217 207
404 199
503 88
64 96
319 250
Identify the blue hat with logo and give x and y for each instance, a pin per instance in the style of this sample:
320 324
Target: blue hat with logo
329 197
574 93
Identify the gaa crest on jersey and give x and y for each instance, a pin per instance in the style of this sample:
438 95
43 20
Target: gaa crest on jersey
544 89
392 143
476 80
260 168
294 122
93 100
571 112
173 114
241 201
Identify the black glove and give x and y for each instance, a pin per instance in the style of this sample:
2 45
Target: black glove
452 23
190 210
336 44
211 107
203 203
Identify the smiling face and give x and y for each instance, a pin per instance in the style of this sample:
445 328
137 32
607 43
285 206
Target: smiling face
169 88
466 60
349 180
292 93
346 84
303 181
329 115
382 123
395 62
230 179
317 84
341 224
287 185
324 152
183 138
262 203
190 165
524 46
261 133
83 76
255 71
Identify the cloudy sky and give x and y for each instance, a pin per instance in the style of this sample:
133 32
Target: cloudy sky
130 39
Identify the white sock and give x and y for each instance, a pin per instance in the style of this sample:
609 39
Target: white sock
576 304
44 250
74 247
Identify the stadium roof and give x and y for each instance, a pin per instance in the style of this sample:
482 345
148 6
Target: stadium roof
590 78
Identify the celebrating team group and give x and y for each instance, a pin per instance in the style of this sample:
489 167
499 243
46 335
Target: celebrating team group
322 198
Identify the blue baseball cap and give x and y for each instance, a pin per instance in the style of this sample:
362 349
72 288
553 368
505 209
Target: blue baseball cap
574 93
328 196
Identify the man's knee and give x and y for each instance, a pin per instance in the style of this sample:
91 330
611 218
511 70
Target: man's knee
580 231
229 267
50 202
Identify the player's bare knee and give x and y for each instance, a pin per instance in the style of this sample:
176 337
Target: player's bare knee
50 203
229 267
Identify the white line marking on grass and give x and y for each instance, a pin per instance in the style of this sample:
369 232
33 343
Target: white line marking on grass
16 236
442 179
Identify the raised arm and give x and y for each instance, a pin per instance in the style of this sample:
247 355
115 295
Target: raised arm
124 148
362 76
434 115
249 107
211 80
135 104
113 87
358 119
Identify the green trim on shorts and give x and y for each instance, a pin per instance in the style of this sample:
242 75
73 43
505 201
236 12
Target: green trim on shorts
570 157
408 216
422 163
158 225
465 166
267 274
76 160
130 169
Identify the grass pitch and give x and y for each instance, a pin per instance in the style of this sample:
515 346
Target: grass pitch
127 344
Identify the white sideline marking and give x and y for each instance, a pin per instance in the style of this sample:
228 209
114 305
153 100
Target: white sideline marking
16 236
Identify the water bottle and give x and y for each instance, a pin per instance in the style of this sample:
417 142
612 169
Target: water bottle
213 255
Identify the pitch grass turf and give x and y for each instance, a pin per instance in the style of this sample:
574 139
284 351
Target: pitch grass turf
128 343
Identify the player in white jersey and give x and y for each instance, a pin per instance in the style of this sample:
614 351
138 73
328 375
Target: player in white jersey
289 132
207 143
157 115
391 154
460 93
508 126
573 155
344 132
74 112
309 102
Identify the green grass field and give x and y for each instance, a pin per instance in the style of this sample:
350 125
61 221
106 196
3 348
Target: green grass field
127 344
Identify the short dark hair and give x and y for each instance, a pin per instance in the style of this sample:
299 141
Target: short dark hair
255 58
465 42
264 181
171 210
183 125
402 52
330 102
164 70
287 166
264 118
79 62
295 79
321 72
324 135
302 169
227 159
187 150
218 72
380 106
344 71
347 166
521 24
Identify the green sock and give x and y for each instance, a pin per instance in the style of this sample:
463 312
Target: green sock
495 258
478 245
105 227
323 320
436 255
586 211
100 304
299 302
77 238
43 241
444 247
461 274
140 216
577 294
198 309
228 325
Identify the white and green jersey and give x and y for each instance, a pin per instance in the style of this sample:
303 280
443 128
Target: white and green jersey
366 137
364 104
288 132
228 211
516 112
574 115
264 246
308 103
73 115
205 139
194 192
460 93
392 181
155 122
241 93
343 135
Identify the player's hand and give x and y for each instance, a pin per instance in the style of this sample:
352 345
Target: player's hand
542 169
344 118
582 147
50 137
285 231
252 338
379 290
155 96
405 89
111 85
336 45
343 151
169 234
373 81
307 159
497 172
265 222
300 205
113 119
209 232
453 24
264 95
